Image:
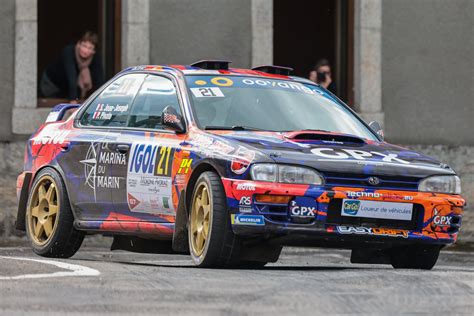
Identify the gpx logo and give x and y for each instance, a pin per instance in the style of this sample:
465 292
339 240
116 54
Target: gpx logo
301 211
442 220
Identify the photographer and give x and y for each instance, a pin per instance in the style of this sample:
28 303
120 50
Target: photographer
321 74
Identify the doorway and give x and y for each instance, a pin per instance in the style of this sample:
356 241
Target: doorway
61 23
322 29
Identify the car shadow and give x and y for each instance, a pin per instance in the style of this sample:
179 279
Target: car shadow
266 268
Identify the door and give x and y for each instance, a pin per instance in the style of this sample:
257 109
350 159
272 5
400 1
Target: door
95 150
154 156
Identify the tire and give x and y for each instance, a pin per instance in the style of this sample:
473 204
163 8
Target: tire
414 257
49 218
218 246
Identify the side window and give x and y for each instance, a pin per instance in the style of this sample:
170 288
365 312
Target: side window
155 94
112 106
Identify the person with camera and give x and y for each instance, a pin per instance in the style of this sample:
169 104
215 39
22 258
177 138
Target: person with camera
321 74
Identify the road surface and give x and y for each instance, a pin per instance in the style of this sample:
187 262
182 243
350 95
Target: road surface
304 282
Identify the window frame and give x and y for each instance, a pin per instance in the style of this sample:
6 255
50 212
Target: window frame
95 95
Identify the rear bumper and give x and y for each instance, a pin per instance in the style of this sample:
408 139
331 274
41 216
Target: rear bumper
435 218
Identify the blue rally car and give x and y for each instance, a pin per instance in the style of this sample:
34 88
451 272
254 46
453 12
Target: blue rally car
230 165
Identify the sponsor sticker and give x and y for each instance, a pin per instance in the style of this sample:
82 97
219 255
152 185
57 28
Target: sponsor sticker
171 118
246 186
50 137
245 204
441 220
388 232
297 210
375 209
243 219
378 195
149 184
185 165
97 162
358 155
241 160
107 112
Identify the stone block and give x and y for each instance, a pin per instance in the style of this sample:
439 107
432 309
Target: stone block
262 33
370 13
135 44
135 11
26 10
26 121
25 64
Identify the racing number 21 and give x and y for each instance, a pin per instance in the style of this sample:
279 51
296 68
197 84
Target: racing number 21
163 167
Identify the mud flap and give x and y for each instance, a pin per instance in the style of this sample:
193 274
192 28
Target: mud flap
180 235
20 223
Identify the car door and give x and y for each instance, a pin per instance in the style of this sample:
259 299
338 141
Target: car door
154 156
95 151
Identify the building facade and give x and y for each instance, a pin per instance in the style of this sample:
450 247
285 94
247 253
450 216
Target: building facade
407 64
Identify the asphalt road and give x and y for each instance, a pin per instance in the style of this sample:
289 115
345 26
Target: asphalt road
304 281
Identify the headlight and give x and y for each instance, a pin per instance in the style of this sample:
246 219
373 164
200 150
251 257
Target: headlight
441 184
285 174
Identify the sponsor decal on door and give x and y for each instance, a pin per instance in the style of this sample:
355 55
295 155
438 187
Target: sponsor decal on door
149 184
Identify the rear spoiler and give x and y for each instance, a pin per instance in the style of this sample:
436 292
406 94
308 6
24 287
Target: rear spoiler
57 113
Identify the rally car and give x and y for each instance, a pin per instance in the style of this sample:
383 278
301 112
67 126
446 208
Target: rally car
230 165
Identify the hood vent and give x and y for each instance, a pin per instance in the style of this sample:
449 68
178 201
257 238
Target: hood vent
324 137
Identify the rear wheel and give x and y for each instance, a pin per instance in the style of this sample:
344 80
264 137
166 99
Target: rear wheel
415 257
211 240
49 218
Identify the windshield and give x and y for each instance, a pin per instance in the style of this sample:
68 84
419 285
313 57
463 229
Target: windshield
238 102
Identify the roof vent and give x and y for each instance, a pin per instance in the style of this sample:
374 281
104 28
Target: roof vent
212 64
275 70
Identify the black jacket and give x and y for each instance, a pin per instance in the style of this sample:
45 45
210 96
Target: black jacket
63 73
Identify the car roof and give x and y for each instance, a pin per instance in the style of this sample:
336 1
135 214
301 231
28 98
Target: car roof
190 70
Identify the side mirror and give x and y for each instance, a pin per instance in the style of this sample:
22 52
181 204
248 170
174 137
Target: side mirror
172 120
377 128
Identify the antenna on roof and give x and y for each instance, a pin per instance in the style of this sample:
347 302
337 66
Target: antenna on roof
275 70
212 64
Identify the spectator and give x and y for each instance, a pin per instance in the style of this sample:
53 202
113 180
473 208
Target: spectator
321 74
76 72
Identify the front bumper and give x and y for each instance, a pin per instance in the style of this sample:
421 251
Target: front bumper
435 218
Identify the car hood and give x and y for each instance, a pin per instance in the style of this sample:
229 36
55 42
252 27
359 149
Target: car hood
340 153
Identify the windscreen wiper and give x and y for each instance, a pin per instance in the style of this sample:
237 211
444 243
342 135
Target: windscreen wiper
234 128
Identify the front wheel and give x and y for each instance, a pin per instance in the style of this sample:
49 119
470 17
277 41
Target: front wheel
211 240
415 257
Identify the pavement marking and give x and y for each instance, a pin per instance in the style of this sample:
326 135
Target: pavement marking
76 270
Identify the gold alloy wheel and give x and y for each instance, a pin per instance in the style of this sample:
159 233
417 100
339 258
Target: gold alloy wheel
43 211
200 219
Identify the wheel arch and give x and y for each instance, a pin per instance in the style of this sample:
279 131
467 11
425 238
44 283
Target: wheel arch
25 195
180 235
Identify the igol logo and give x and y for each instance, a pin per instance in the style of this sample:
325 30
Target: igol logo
351 207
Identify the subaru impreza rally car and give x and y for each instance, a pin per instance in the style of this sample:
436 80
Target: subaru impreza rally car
230 165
